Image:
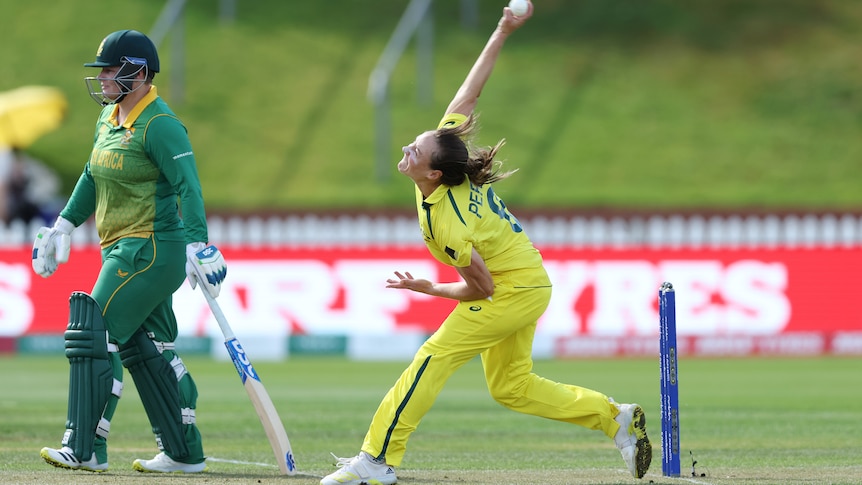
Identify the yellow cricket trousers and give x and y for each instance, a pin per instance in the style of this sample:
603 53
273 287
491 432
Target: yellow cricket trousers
501 329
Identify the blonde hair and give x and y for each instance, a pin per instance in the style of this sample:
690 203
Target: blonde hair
456 156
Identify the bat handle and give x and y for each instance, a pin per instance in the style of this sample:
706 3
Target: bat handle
218 314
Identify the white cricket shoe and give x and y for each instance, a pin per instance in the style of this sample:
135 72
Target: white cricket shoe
162 463
65 458
631 439
360 470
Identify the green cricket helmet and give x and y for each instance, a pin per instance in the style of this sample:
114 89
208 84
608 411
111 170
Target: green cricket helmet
129 44
130 50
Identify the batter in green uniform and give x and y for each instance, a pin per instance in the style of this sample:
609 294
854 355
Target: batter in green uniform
140 176
503 292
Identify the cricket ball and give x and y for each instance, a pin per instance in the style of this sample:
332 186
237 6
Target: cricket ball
518 7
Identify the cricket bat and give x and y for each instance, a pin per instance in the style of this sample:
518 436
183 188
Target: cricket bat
256 392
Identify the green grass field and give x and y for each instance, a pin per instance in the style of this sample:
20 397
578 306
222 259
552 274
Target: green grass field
745 421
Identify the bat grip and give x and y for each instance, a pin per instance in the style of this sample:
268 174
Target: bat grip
218 314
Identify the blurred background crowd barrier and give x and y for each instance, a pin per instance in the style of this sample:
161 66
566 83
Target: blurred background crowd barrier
594 231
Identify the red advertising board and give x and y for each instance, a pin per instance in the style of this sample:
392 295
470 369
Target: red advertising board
597 293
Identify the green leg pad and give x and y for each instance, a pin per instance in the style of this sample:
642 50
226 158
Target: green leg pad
160 393
91 373
101 444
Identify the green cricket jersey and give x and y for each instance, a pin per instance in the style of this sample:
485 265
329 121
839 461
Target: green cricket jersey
456 219
136 173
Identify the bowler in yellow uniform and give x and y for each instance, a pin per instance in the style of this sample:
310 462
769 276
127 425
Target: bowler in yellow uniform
503 292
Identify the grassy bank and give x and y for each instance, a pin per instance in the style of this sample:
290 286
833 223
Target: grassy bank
664 104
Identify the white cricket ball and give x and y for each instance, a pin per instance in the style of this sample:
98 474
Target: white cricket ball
518 7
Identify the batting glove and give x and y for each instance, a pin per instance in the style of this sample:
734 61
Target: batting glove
205 265
51 247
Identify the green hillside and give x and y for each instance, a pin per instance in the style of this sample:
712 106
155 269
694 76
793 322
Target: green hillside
620 104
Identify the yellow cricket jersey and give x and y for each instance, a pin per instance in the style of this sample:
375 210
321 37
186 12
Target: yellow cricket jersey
456 219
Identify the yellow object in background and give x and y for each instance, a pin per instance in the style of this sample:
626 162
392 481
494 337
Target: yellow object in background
28 112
